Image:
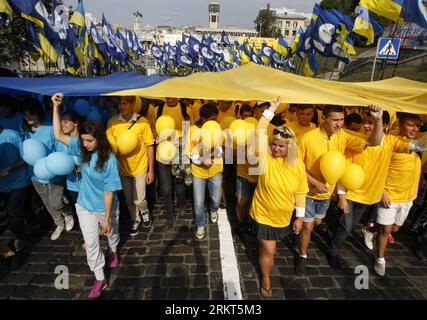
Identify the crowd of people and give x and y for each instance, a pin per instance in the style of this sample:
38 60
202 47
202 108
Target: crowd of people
280 189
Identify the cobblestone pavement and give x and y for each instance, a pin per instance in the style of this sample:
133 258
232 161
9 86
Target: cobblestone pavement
173 265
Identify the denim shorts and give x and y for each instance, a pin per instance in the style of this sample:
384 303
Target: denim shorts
244 188
315 209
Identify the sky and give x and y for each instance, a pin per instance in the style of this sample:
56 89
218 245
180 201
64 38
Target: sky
239 13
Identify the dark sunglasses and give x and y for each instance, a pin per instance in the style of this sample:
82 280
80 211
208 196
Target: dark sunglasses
283 131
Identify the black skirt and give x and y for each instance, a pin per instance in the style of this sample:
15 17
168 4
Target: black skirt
266 232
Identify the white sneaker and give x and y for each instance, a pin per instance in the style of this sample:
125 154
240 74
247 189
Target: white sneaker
368 237
135 228
69 222
214 216
379 266
200 234
57 233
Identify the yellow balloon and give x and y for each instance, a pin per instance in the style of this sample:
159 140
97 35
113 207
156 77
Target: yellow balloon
353 177
226 121
138 105
166 151
251 120
239 131
211 134
165 126
127 141
332 166
195 134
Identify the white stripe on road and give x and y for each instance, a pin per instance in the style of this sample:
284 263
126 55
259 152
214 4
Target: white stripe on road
230 271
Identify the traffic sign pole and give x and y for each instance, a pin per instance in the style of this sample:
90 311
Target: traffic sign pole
373 69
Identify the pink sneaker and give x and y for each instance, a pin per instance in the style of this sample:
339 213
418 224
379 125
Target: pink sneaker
391 239
98 286
114 260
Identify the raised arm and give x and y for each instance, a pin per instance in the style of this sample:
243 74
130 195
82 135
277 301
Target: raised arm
57 131
378 131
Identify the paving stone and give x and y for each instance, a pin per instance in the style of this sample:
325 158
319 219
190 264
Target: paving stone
6 290
322 282
23 292
198 294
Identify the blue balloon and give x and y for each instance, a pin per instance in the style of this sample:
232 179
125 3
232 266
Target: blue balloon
32 150
94 115
60 163
105 116
82 107
40 170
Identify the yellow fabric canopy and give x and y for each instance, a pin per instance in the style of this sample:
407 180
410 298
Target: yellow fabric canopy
254 82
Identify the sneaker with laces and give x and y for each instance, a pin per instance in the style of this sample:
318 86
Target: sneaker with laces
135 228
114 260
368 237
69 222
200 234
146 220
57 233
98 286
214 216
390 238
379 266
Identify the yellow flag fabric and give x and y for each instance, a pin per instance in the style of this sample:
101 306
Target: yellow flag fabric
253 82
5 7
386 8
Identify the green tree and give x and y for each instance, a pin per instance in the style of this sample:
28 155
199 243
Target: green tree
266 23
15 42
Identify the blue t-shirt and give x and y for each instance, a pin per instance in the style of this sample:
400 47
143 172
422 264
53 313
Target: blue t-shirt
44 134
14 123
10 146
74 178
94 183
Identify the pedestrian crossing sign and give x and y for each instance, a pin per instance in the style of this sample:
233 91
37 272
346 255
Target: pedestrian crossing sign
388 48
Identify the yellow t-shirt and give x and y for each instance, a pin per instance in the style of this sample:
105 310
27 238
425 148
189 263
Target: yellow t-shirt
175 113
403 177
229 112
298 129
194 111
152 116
375 162
315 144
135 162
274 197
197 171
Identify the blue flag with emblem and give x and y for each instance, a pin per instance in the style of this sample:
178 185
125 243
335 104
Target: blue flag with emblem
415 11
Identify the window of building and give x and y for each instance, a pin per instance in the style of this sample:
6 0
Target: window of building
294 33
295 24
286 33
288 23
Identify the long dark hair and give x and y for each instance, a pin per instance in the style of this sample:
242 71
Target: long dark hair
103 149
34 108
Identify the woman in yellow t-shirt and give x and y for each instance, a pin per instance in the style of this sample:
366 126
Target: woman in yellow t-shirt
281 189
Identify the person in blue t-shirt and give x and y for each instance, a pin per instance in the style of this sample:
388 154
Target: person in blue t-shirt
51 191
14 183
67 129
97 204
9 117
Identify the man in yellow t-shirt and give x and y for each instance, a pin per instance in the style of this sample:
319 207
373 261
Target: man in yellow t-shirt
355 204
401 188
313 145
225 109
136 167
303 124
206 168
169 184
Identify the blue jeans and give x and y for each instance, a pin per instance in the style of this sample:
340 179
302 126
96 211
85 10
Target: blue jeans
315 209
214 187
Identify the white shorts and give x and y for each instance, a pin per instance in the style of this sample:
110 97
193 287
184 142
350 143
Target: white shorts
396 214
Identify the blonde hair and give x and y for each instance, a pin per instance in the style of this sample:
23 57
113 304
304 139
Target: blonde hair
285 133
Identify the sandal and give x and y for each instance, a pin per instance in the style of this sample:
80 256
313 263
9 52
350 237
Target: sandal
265 293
